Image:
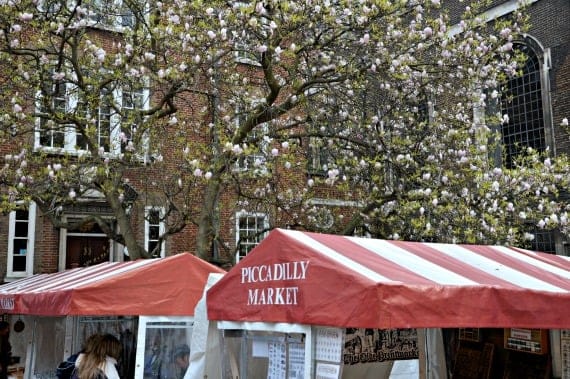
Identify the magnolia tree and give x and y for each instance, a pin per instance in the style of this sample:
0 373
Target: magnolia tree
221 102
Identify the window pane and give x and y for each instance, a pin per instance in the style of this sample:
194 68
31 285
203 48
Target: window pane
151 246
153 232
21 229
19 263
20 247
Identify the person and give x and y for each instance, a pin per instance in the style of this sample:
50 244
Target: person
99 358
5 349
153 365
181 360
67 369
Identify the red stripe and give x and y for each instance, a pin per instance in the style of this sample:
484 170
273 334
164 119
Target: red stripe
457 266
370 260
521 266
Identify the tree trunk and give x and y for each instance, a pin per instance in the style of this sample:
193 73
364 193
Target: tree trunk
124 224
206 227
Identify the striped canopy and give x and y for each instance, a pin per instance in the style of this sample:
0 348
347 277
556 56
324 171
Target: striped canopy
159 287
319 279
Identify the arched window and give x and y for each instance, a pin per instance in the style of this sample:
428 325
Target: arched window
522 101
525 101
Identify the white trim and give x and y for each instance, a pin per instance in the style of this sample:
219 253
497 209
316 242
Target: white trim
30 239
161 228
335 202
241 214
494 13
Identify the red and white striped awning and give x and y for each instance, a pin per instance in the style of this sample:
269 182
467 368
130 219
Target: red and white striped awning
165 286
320 279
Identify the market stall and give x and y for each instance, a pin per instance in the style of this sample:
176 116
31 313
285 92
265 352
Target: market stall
310 305
148 304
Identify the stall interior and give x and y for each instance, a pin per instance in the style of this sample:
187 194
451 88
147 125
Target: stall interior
260 354
506 353
328 353
44 342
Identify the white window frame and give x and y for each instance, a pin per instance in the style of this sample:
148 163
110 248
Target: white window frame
257 216
30 251
148 324
161 229
246 161
115 122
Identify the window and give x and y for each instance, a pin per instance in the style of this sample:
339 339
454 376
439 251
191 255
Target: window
522 102
251 228
258 142
114 133
154 229
132 102
21 235
319 157
528 120
111 13
51 133
544 241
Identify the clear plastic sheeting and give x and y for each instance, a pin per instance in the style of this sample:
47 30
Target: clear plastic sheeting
46 341
258 354
124 328
47 348
161 341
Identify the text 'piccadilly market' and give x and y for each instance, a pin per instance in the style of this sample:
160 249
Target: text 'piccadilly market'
283 295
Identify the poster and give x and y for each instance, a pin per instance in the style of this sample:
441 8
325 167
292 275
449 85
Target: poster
327 371
379 345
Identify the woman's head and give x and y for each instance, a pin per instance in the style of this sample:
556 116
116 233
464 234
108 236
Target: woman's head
103 345
110 346
97 348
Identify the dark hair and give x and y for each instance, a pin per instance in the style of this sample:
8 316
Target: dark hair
4 325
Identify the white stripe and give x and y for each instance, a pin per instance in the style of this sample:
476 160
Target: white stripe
494 268
337 257
535 262
410 261
76 280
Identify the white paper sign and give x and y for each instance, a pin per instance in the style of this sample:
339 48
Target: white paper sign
277 361
296 360
260 348
329 344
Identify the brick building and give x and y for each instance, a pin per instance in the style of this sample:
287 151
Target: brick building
32 244
539 100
